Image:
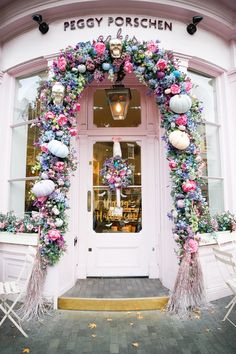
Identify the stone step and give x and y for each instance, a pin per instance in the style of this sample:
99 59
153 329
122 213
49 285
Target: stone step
115 294
95 304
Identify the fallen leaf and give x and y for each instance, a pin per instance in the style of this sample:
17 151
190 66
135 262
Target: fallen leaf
92 325
131 324
25 350
93 335
135 344
197 317
139 317
207 330
109 319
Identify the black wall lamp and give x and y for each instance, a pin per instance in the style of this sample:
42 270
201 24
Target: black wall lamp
43 26
192 27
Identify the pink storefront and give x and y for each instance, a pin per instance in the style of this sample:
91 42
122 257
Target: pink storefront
99 243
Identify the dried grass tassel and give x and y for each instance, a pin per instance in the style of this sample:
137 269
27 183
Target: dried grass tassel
188 292
34 305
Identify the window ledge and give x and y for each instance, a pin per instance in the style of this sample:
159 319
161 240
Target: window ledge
19 238
217 237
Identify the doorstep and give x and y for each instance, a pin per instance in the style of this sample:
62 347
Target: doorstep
115 294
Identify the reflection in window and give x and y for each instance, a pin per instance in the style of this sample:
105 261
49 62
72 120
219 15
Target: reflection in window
24 152
204 89
102 117
107 218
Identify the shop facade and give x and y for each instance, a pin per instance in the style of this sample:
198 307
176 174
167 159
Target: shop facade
140 244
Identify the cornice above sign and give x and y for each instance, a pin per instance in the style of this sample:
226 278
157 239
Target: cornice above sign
118 21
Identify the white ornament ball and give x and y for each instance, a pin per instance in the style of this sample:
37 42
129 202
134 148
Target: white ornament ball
180 103
58 222
182 127
43 188
58 149
81 68
179 139
44 175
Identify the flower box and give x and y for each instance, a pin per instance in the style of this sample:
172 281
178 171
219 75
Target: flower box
19 238
217 237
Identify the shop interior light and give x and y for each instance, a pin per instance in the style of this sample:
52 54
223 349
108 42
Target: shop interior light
119 98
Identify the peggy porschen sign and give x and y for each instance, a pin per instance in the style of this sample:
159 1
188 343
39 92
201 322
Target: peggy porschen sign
119 21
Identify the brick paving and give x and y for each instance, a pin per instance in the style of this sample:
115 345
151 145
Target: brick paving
150 332
117 288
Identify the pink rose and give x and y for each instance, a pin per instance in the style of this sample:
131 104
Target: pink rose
73 132
189 186
49 115
184 166
161 64
128 67
182 119
54 234
59 166
77 107
191 246
152 46
61 63
172 164
21 228
175 89
62 119
100 48
180 203
188 85
44 147
42 199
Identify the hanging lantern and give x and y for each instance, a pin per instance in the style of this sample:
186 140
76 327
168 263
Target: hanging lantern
119 98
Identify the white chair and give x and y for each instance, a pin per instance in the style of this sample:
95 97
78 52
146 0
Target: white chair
226 258
17 288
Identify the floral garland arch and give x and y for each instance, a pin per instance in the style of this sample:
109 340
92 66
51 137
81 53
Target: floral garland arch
73 70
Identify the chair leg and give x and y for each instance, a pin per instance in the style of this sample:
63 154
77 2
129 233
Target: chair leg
229 304
13 312
232 304
8 315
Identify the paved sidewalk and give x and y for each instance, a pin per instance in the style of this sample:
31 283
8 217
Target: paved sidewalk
150 332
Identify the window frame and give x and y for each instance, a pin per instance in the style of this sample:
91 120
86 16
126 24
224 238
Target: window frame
21 72
214 73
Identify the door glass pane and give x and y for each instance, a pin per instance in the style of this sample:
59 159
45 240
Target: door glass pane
107 218
102 117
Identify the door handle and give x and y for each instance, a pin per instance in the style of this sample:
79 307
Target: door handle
89 201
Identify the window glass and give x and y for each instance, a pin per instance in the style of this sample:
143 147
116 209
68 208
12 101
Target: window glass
102 115
204 90
107 216
24 152
26 106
